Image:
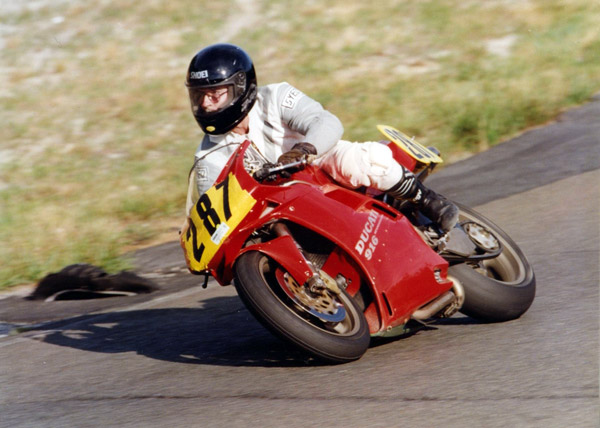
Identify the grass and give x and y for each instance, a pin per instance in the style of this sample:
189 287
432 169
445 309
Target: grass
97 136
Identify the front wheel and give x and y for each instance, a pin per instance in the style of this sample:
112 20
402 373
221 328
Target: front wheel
498 289
329 326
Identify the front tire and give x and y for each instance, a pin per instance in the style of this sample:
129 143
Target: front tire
291 312
499 289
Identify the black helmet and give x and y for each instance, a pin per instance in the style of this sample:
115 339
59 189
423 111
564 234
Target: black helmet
216 66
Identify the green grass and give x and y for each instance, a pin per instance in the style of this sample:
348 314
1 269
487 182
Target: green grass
97 135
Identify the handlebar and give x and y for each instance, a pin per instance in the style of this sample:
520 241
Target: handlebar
266 172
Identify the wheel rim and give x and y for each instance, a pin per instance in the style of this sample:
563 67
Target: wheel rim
507 267
331 313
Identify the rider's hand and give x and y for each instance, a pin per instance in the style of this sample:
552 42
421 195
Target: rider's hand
298 152
263 173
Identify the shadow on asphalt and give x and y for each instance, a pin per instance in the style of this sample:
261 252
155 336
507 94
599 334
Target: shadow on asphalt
220 332
458 319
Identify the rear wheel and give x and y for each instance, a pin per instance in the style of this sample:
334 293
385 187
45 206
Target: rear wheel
329 326
498 289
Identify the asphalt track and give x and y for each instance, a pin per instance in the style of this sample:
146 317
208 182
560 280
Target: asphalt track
185 356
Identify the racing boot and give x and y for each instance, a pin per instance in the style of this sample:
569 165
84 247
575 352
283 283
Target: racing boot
432 205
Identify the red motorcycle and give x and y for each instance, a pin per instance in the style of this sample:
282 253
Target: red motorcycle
327 268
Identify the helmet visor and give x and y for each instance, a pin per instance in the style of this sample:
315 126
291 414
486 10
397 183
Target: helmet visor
211 100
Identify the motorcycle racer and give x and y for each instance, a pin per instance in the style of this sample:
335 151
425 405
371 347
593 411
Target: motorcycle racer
284 125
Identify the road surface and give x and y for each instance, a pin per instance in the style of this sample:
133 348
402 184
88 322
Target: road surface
185 356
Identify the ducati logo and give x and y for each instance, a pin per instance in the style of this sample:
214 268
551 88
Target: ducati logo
368 240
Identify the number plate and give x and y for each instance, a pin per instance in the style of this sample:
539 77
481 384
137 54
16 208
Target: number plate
215 215
409 145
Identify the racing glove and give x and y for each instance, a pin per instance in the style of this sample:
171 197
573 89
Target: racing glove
298 151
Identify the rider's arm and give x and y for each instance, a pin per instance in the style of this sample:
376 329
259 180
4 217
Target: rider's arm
308 117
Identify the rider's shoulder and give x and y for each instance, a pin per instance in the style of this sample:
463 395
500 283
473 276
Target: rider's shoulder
282 94
218 145
274 87
208 143
277 90
270 91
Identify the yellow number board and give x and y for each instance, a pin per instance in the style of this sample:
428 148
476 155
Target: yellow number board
409 145
215 215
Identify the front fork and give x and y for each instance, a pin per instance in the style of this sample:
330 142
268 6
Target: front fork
319 280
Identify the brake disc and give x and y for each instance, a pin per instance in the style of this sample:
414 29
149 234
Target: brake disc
320 303
482 237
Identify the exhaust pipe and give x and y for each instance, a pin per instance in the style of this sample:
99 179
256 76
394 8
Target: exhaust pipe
446 305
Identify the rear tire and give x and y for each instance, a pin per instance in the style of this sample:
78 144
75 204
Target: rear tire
499 289
298 316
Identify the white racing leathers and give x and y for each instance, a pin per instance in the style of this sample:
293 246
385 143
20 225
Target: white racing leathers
283 116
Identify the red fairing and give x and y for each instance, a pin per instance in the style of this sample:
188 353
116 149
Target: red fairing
391 256
376 245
